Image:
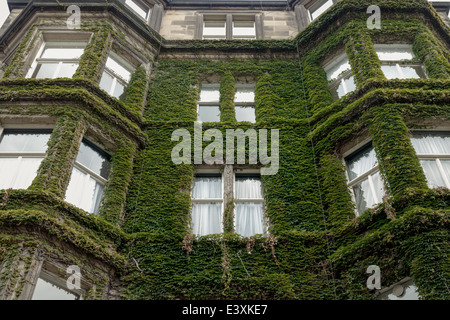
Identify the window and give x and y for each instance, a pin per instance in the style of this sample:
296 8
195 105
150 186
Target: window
116 75
365 179
243 28
244 101
340 78
229 26
57 59
397 61
21 153
89 177
318 8
140 8
214 27
403 290
433 150
249 205
207 204
209 103
51 287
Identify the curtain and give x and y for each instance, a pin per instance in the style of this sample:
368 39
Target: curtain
364 196
18 173
207 188
433 173
84 191
206 218
248 188
249 218
361 163
426 143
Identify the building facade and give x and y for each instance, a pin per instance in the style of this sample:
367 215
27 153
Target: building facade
340 175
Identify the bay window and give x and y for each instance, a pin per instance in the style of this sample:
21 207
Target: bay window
89 177
364 179
21 153
433 150
249 205
339 75
397 61
207 204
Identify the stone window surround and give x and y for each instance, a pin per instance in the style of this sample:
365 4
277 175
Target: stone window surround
302 14
252 14
228 174
155 17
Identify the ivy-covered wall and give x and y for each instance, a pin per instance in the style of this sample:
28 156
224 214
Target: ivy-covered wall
316 247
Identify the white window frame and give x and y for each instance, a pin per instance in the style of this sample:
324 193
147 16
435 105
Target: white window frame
233 36
143 6
89 173
399 63
114 75
436 157
229 18
21 155
316 5
58 282
366 175
211 103
205 173
246 104
244 200
340 79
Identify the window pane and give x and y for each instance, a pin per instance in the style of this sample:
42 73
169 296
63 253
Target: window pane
210 93
96 161
63 50
206 218
410 72
391 72
67 70
207 188
46 291
446 166
244 94
214 29
249 218
364 196
248 188
84 191
432 173
410 293
244 29
18 173
322 6
119 89
119 66
431 143
361 162
209 113
336 68
137 8
106 82
46 70
394 52
245 114
344 86
16 141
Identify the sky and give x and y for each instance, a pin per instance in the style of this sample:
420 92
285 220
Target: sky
4 11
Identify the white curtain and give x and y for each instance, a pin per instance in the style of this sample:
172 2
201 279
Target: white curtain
19 172
206 218
433 174
361 163
431 144
83 191
364 196
207 188
249 218
248 188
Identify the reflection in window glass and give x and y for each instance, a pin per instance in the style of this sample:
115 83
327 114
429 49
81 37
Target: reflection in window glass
209 105
320 7
116 75
340 78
